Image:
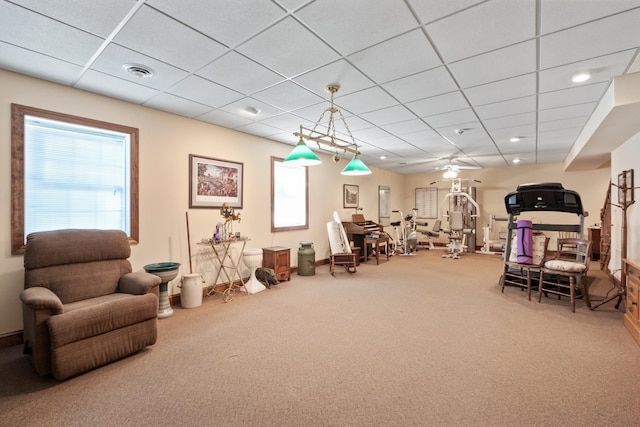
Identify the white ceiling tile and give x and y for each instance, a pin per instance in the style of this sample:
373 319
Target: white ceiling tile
562 124
240 108
96 17
512 88
112 59
298 50
44 67
353 25
577 95
204 92
422 85
167 40
51 38
560 14
409 126
568 112
403 55
224 119
259 129
438 104
451 118
432 10
229 22
496 65
510 121
488 26
602 69
239 73
287 96
397 113
585 41
513 106
107 85
365 101
339 72
177 105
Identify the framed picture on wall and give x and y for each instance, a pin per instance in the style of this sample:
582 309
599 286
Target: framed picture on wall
213 182
350 195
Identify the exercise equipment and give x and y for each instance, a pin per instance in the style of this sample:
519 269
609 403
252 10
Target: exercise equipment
460 210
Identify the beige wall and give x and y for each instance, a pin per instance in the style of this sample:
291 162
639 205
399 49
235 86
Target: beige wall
167 140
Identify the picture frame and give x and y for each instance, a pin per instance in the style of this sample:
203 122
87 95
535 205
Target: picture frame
350 196
213 182
625 188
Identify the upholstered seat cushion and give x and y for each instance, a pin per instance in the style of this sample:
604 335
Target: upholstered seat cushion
539 249
89 318
566 266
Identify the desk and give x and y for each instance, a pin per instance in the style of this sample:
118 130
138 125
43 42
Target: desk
375 243
229 267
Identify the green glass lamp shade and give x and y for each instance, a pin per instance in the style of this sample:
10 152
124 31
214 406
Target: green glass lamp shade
302 155
356 167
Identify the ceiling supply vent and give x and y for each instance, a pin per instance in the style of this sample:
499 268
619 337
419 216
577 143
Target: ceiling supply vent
138 70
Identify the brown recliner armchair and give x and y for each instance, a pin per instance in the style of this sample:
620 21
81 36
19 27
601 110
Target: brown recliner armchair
82 305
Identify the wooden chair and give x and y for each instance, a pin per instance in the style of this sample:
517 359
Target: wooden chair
521 275
567 272
341 253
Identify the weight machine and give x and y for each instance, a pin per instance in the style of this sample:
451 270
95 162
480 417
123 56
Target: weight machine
460 211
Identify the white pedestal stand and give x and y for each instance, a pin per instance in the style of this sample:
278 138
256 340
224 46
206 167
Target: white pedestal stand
253 259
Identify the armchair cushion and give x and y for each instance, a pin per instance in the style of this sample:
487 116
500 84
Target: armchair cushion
39 298
566 266
138 283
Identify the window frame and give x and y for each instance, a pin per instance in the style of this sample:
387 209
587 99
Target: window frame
304 199
18 113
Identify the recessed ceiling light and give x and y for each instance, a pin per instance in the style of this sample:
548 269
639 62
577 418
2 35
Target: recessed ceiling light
580 77
252 110
139 70
516 160
383 157
515 139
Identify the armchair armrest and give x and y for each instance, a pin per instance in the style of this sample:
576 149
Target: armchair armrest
138 283
40 298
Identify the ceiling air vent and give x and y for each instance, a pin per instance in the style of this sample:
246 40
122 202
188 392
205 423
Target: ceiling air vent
139 70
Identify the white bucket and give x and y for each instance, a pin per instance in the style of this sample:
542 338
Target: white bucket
191 290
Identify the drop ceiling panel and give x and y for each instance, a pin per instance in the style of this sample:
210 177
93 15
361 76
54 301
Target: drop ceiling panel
568 112
259 129
287 96
585 41
432 10
366 100
96 17
525 104
44 67
224 119
240 108
511 121
111 62
403 55
167 40
51 38
512 88
422 85
105 84
577 95
204 92
177 105
239 73
298 50
339 72
385 116
452 118
557 15
445 103
602 69
228 22
353 25
496 65
482 28
408 126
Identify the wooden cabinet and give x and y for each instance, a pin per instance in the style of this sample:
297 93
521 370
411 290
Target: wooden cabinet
279 259
631 316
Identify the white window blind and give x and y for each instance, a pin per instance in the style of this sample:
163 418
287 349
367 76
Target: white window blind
75 177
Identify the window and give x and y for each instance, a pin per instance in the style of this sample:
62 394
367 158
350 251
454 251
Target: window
289 196
71 172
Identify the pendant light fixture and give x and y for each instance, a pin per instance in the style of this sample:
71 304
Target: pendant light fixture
302 154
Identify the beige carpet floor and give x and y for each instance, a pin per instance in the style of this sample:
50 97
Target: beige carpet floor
415 341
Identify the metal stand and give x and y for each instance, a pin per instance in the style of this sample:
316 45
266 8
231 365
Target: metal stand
229 267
